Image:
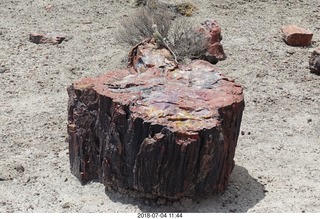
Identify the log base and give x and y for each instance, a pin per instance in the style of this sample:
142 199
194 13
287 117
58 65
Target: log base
160 133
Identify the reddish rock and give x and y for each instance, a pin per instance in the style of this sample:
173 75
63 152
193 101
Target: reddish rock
314 62
51 38
212 30
296 36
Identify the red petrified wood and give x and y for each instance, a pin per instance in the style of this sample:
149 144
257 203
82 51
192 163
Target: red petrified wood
296 36
165 131
212 30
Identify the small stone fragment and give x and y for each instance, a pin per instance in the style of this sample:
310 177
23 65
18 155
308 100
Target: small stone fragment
314 62
19 168
50 38
66 205
3 70
296 36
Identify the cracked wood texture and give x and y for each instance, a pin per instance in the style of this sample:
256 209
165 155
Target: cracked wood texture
162 133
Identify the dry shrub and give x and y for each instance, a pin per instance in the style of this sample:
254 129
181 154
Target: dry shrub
138 26
186 41
186 9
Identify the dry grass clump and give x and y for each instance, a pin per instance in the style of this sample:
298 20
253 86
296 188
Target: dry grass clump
186 9
186 41
138 26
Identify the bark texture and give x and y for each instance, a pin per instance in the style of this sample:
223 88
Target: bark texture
165 133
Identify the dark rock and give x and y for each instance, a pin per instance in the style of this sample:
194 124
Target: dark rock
166 132
3 70
314 62
19 168
296 36
50 38
66 205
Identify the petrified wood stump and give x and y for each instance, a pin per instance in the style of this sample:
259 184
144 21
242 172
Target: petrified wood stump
165 133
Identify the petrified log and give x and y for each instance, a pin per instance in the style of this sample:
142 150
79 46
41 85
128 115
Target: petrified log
167 132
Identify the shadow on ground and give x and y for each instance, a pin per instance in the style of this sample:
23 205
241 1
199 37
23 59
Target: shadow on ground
243 193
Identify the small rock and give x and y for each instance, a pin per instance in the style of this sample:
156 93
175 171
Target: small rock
19 168
290 52
212 30
26 179
50 38
261 75
242 132
309 120
314 62
3 70
66 205
48 7
233 210
296 36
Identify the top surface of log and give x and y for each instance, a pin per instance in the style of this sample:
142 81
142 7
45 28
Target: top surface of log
185 100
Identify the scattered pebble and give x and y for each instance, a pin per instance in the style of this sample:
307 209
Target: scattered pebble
66 205
242 132
296 36
26 179
291 52
19 168
309 120
3 70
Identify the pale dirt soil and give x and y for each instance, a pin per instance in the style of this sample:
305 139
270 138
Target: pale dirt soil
277 157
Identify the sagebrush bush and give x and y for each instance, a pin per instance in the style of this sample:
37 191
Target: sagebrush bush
138 26
184 40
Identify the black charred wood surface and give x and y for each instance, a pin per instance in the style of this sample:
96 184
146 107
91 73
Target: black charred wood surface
171 135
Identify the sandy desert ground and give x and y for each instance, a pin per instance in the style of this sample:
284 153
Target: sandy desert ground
278 153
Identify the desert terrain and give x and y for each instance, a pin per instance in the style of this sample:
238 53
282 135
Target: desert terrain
277 156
